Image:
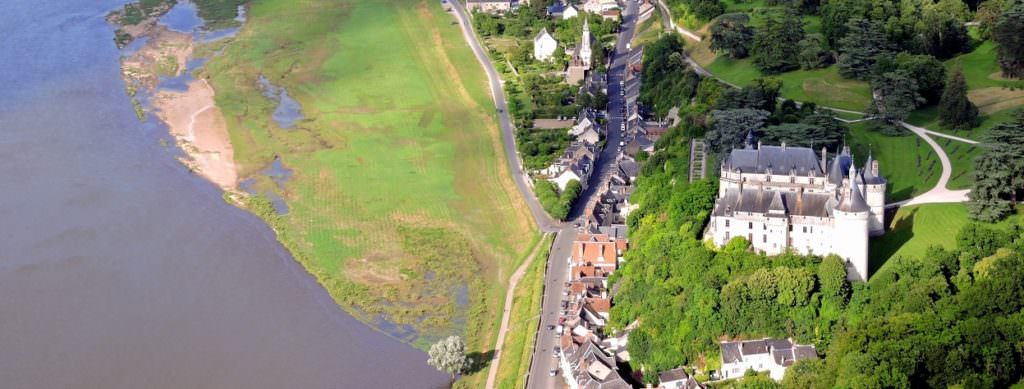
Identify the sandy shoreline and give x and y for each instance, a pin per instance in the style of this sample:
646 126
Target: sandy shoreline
199 128
192 116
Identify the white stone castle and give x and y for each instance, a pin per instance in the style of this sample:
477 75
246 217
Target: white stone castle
781 198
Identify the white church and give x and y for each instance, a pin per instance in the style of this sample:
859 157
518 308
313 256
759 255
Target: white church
780 198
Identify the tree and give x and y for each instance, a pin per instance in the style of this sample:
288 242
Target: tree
927 71
776 45
812 52
987 15
955 110
1008 34
998 172
895 95
760 94
731 34
861 47
449 355
802 134
729 128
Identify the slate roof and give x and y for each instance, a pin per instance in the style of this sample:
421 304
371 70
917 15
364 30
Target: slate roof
853 201
673 375
592 368
766 201
731 352
781 160
783 351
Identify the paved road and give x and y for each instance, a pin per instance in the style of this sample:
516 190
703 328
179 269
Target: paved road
556 276
544 222
671 24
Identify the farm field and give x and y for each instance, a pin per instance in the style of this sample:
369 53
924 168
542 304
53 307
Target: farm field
399 201
918 227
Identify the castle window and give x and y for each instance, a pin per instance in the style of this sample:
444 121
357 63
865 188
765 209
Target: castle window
750 225
790 228
726 222
764 238
727 235
764 226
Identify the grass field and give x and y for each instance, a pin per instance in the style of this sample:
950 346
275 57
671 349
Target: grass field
916 228
821 86
515 357
907 162
649 30
400 202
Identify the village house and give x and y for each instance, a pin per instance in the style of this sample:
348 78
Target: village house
489 6
599 6
677 379
576 163
781 198
598 250
587 365
766 355
561 10
544 46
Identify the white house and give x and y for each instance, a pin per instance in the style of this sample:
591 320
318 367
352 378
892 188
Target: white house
765 355
544 46
569 12
589 135
489 6
781 198
677 379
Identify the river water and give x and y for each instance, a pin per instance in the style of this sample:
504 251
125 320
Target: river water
119 269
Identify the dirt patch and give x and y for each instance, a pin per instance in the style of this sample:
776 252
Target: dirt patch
995 99
199 128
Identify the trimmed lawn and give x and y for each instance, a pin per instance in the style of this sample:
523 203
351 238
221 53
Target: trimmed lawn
961 156
400 202
918 227
981 69
820 86
907 162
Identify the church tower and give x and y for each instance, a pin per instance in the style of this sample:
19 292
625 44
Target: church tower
585 54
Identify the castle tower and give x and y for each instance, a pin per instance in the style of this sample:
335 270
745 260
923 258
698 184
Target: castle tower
851 229
874 195
585 54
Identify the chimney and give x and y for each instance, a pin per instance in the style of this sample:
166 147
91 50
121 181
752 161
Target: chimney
824 159
758 144
874 168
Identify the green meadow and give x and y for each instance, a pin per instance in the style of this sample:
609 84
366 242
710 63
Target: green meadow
913 229
400 202
907 162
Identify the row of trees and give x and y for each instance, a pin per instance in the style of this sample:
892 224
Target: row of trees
557 204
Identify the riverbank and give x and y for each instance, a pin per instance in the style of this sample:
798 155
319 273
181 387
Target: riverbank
191 115
397 197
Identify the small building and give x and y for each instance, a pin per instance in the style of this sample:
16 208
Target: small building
766 355
570 12
576 163
599 250
560 10
489 6
544 46
586 365
677 379
599 6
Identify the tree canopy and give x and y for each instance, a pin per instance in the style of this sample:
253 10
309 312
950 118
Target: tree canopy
955 110
777 43
449 355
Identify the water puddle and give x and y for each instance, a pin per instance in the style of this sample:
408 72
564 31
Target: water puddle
279 175
288 110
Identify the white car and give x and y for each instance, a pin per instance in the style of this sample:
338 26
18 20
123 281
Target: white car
622 144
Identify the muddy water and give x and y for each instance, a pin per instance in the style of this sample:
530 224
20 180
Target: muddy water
119 269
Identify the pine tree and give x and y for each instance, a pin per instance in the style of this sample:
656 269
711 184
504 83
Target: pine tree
999 172
955 110
861 47
731 34
895 95
1008 34
777 44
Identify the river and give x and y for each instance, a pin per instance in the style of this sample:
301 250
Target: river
119 268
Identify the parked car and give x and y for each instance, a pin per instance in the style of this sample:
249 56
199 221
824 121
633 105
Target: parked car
622 144
553 372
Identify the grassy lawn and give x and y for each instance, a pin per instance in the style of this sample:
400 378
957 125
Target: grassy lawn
515 358
649 30
906 161
918 227
821 86
981 70
400 202
961 156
